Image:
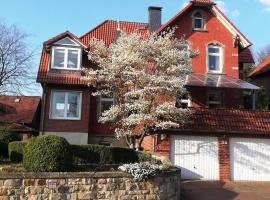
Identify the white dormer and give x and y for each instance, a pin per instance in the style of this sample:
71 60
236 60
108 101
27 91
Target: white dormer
66 54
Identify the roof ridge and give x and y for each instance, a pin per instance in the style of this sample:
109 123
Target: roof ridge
110 20
97 26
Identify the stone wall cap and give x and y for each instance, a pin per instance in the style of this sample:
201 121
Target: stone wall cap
57 175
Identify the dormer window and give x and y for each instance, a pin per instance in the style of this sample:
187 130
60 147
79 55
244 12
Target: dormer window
66 54
198 21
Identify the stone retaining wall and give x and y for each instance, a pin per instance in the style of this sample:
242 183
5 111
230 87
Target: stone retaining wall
78 186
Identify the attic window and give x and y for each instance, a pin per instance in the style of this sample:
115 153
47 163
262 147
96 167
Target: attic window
17 100
66 54
66 58
198 21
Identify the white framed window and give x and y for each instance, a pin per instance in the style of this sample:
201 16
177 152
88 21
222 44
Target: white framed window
106 102
66 105
184 101
67 58
215 100
198 21
215 58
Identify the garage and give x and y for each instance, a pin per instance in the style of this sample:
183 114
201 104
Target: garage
250 159
197 156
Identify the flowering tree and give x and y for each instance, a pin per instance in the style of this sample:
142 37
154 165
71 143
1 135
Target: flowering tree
147 75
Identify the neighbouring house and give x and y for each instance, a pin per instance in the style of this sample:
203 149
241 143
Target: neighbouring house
260 76
222 141
21 114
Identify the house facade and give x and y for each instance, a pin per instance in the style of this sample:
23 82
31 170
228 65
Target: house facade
220 132
260 76
21 114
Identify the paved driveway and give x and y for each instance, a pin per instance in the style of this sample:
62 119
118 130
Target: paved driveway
209 190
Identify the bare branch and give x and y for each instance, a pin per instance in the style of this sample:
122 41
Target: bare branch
16 69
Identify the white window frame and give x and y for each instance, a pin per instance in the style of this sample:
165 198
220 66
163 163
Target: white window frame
65 109
66 58
220 55
201 18
102 99
186 101
215 102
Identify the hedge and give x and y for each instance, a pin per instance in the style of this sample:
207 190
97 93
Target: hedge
6 136
98 154
15 151
47 154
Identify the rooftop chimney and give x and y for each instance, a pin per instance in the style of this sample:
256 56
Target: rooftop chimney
154 19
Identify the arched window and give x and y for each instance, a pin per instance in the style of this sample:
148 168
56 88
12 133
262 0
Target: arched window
215 58
198 21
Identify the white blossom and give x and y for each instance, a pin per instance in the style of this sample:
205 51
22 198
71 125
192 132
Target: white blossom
141 70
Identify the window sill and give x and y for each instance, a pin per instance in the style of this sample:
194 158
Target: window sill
199 30
66 69
65 119
216 73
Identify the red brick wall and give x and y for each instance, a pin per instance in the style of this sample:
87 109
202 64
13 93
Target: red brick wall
224 158
148 143
89 120
53 125
96 128
215 32
162 146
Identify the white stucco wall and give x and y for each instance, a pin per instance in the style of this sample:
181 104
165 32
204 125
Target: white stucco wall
72 138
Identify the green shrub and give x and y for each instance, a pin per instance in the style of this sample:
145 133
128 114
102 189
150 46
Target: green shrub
6 136
15 151
47 154
123 155
98 154
144 156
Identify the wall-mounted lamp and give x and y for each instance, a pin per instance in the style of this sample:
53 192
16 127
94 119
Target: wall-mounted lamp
163 136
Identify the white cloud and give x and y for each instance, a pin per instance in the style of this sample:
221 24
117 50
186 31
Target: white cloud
235 13
222 5
266 3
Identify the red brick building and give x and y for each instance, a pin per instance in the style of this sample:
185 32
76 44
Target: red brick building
219 134
21 114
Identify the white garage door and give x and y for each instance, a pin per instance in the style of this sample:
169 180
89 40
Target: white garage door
197 156
250 159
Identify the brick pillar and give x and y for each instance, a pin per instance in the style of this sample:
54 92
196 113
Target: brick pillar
224 158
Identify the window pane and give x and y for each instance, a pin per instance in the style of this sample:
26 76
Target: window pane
105 105
72 58
198 23
73 105
58 104
214 63
198 15
59 58
213 50
215 97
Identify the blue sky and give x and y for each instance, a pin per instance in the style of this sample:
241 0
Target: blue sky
43 19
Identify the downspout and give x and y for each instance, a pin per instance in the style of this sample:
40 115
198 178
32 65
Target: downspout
43 108
254 100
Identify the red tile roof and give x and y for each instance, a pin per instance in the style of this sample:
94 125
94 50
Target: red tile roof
229 121
22 112
105 31
246 56
264 66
